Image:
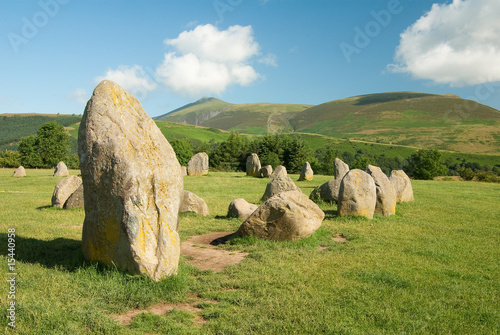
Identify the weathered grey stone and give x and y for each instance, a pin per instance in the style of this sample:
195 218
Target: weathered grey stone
66 187
240 208
253 165
341 169
386 196
402 186
132 186
306 173
288 216
61 170
75 199
266 171
279 171
19 172
198 165
183 171
326 192
190 202
357 195
278 185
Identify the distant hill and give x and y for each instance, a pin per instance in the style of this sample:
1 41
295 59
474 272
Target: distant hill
421 120
407 118
253 118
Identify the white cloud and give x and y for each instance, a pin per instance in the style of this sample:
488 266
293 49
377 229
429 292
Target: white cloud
269 59
79 96
207 60
131 78
456 44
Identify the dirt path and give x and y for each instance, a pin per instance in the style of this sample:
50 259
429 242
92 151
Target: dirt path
202 252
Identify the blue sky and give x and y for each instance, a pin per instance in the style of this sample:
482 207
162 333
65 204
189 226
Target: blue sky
170 53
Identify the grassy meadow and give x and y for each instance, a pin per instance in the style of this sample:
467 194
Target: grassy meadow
433 268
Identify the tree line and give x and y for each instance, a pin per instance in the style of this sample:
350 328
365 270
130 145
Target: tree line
52 144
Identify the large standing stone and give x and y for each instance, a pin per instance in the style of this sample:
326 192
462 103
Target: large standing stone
306 173
266 171
386 196
278 185
253 165
198 165
190 202
61 170
402 186
279 171
358 195
75 199
327 192
183 171
66 187
19 172
288 216
132 186
240 208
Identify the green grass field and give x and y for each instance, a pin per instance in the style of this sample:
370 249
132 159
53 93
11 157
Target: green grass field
433 268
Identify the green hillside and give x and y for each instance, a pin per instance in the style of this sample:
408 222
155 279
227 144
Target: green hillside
15 126
254 118
186 131
444 122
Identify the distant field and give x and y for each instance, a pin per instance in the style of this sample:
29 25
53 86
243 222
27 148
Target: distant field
430 269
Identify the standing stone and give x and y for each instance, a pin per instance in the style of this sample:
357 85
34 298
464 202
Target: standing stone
183 171
19 172
288 216
278 185
240 208
190 202
253 165
266 171
66 187
279 171
132 186
61 170
358 195
402 186
75 199
341 169
326 192
306 173
386 196
198 165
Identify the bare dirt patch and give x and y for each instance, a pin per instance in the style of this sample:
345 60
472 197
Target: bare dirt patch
202 252
163 308
339 238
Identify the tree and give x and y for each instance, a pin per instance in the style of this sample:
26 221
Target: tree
52 143
231 154
426 164
295 153
28 149
183 150
46 148
10 159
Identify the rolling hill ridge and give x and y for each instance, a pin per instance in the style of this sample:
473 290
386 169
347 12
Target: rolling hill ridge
253 118
423 120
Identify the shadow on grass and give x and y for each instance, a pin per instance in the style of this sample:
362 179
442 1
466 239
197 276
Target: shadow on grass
45 207
331 214
58 253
